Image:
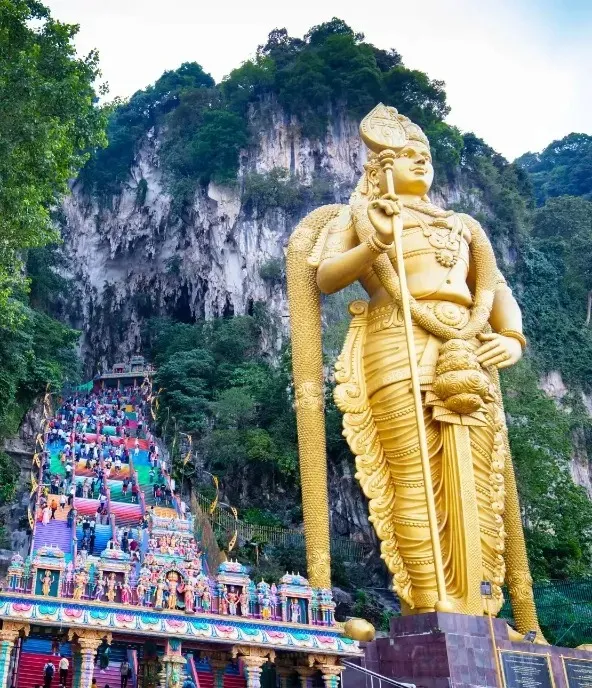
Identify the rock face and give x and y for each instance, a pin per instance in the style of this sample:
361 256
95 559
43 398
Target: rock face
13 515
136 258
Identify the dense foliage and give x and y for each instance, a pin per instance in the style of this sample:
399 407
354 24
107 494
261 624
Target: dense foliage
48 122
556 514
563 168
205 126
218 387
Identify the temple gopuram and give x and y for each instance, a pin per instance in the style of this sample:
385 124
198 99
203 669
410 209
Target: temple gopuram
118 582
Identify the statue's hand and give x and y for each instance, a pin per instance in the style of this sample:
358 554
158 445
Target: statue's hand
381 213
497 350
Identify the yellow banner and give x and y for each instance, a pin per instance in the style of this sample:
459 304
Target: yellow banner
214 504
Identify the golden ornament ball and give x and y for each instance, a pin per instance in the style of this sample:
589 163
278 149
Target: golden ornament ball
359 629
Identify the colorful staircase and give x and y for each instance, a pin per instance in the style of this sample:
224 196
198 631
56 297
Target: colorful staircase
126 514
35 653
86 507
111 676
54 533
233 677
102 537
116 490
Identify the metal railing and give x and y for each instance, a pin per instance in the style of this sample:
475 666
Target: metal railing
564 609
348 550
372 676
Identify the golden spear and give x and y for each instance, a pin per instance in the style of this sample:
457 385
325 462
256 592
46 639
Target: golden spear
382 132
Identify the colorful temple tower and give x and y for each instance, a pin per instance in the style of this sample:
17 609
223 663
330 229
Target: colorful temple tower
118 584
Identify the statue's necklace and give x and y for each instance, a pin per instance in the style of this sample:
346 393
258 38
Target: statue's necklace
442 235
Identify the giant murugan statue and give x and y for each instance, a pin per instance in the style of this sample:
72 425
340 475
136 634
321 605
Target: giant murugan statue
417 382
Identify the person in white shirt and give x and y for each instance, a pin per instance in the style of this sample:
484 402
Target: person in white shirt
64 665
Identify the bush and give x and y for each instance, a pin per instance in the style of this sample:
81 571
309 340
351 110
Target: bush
272 270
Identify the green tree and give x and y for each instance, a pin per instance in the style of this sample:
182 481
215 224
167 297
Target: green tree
563 168
47 124
557 514
564 226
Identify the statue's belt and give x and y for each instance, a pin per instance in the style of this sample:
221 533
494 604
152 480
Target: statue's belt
447 312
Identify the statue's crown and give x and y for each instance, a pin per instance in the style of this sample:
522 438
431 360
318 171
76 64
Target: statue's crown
384 128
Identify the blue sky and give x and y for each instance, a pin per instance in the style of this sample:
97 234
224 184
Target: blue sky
517 73
569 15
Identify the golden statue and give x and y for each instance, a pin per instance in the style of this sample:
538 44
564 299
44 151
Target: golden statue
428 430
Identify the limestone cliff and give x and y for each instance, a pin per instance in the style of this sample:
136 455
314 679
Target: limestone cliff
138 258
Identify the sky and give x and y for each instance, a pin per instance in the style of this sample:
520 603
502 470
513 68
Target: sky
517 73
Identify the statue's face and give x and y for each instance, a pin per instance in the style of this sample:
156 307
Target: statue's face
413 171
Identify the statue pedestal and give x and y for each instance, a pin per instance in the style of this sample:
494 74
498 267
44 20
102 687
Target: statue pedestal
441 650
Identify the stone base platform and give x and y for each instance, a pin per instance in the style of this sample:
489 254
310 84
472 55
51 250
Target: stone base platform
440 650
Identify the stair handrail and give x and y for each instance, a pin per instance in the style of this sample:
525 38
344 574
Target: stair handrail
136 478
375 675
39 489
108 494
163 453
74 546
193 669
132 658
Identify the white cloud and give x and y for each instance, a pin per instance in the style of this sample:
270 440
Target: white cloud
512 75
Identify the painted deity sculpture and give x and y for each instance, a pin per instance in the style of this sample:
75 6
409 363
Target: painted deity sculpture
159 593
244 602
141 592
428 430
126 591
232 600
173 579
294 611
264 600
111 587
80 580
206 600
100 587
188 595
46 583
